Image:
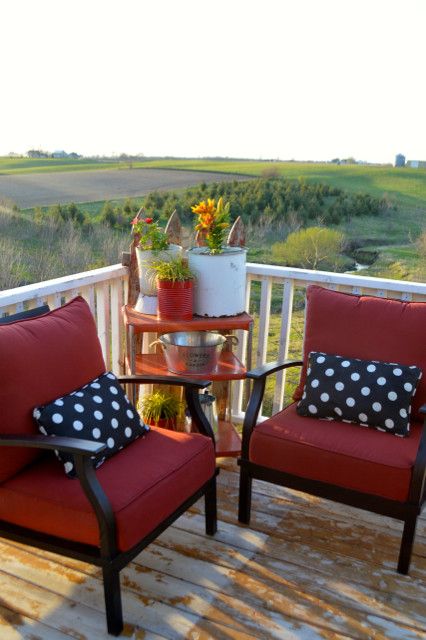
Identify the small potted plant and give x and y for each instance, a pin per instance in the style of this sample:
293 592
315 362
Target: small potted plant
220 269
151 243
160 409
174 281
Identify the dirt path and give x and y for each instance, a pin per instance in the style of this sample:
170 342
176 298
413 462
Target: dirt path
30 190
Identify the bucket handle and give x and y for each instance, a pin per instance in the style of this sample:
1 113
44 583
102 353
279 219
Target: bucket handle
156 342
231 339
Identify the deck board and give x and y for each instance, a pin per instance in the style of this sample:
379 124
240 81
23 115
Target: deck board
305 569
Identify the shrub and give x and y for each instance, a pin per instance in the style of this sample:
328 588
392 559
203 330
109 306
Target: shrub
311 248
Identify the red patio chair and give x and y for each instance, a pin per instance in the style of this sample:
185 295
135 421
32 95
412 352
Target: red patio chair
105 517
334 459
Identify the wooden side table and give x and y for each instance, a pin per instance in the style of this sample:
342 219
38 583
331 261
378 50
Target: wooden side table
228 441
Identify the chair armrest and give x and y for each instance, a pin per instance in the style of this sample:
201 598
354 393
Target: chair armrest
259 376
61 443
272 367
191 396
82 450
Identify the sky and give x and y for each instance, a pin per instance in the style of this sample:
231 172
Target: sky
268 79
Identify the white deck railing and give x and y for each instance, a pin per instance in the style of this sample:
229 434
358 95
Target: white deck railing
105 291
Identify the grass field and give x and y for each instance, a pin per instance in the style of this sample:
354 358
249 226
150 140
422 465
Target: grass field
406 187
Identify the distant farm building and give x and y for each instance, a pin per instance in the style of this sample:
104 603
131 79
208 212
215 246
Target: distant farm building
399 160
417 164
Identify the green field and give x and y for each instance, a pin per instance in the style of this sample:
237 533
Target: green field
406 187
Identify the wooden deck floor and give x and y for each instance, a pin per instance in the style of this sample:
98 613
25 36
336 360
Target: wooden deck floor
306 569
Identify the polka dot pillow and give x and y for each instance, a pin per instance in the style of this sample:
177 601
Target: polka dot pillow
100 411
373 394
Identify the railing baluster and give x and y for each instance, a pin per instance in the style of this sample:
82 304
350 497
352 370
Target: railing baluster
286 317
264 315
116 325
103 321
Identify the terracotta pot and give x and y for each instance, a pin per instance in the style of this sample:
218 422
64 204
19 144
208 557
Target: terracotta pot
175 299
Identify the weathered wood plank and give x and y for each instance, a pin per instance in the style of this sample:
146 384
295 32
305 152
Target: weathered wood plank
15 626
297 572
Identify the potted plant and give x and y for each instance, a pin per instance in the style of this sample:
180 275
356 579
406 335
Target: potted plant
174 281
220 270
160 409
151 244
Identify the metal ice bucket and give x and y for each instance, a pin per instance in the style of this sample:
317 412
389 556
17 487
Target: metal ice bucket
192 351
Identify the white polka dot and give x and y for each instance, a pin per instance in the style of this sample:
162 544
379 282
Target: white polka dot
381 381
113 390
320 359
392 395
95 385
111 376
42 430
389 423
371 368
97 399
403 413
130 413
338 411
36 414
110 443
408 386
377 406
397 372
128 432
308 372
114 423
77 425
350 402
345 363
363 417
303 395
325 397
115 405
68 466
57 418
96 433
365 391
79 394
98 415
339 386
355 376
329 372
314 383
59 402
79 408
312 408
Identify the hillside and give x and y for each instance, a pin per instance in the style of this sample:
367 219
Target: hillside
406 187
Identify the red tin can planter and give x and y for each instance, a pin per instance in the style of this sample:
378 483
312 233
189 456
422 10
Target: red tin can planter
164 423
175 299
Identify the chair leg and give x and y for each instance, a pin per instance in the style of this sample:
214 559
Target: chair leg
407 544
244 503
211 508
112 593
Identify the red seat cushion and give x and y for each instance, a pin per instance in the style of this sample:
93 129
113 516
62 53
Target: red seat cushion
366 327
145 483
346 455
42 359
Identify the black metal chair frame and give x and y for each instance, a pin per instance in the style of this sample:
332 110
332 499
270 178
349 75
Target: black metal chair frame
406 511
106 555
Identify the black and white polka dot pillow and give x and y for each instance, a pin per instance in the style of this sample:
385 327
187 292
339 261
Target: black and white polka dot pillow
100 410
370 393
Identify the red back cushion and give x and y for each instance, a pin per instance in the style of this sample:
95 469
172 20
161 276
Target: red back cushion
41 359
365 327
